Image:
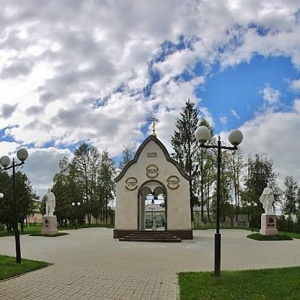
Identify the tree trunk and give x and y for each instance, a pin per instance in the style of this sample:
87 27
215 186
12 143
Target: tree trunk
22 226
89 216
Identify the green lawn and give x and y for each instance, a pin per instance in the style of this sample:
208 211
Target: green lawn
291 234
255 230
27 230
251 284
277 237
36 229
9 267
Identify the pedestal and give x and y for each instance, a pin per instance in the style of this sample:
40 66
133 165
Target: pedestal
268 224
49 225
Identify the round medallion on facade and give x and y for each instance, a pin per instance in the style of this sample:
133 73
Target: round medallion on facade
131 183
173 182
152 171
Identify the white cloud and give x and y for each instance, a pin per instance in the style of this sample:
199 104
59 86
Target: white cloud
56 67
275 134
7 148
235 114
295 85
297 106
223 120
270 95
42 165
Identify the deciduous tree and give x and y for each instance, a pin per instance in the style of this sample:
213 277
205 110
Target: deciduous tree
260 173
127 156
290 196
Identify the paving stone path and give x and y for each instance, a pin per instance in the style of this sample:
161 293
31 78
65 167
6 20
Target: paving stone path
90 264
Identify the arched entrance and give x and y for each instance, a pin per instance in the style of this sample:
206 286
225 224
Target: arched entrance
152 206
150 179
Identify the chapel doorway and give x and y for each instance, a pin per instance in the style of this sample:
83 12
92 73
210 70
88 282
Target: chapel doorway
152 207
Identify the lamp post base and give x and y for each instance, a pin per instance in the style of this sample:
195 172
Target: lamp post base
18 245
217 254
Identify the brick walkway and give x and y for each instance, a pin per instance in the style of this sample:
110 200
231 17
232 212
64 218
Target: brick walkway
90 264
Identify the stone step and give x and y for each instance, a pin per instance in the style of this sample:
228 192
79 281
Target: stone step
151 236
124 239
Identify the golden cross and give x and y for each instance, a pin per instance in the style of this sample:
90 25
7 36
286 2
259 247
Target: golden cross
154 120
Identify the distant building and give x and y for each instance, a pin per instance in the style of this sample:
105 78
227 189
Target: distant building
36 216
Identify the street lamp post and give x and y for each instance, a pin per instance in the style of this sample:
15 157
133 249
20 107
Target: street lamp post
1 195
153 219
75 205
202 135
252 212
22 155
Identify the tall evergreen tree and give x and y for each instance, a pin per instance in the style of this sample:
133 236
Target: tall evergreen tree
205 173
185 146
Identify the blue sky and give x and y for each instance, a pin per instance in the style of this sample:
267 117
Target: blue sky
96 74
239 89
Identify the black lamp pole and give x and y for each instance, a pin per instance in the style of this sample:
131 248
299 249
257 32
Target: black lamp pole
202 135
252 214
22 155
15 223
76 205
219 147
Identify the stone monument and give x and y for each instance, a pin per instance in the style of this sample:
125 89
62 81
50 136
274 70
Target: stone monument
268 219
49 219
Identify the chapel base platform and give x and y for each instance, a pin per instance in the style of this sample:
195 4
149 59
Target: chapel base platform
181 234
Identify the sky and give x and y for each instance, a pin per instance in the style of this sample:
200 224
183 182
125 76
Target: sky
75 71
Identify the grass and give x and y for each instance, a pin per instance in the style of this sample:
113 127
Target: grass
9 267
35 230
277 237
291 234
27 230
247 285
32 231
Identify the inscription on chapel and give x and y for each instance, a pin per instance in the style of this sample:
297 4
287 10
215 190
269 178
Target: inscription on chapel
131 183
152 171
151 154
173 182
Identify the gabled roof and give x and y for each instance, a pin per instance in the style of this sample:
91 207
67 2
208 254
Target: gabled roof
139 151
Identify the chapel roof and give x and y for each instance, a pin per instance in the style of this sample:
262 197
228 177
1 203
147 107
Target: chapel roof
153 138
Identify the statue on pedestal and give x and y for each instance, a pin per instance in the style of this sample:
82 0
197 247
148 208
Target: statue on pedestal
49 219
267 199
50 203
268 219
